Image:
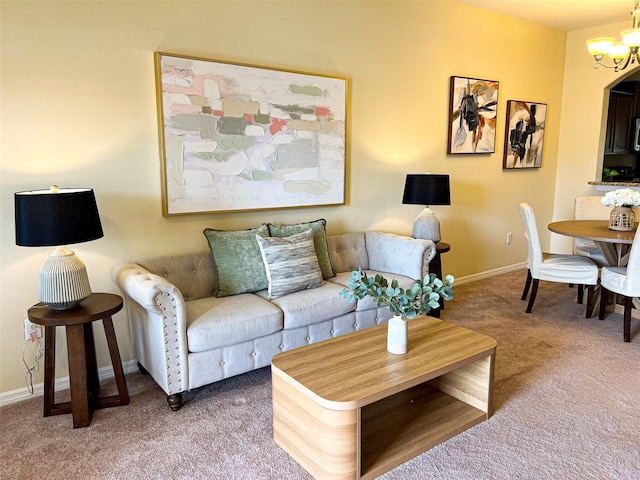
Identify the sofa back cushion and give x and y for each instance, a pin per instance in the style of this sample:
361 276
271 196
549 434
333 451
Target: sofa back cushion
193 274
348 252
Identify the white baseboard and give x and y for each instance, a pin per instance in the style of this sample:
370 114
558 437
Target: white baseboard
104 373
490 273
20 394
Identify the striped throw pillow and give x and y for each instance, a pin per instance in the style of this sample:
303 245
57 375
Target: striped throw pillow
291 263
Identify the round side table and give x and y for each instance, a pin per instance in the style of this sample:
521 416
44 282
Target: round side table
83 367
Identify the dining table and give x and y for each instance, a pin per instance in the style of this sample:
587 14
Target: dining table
613 244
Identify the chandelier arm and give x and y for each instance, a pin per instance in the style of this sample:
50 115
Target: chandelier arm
600 64
626 63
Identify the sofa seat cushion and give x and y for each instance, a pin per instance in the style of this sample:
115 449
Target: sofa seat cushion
215 322
308 307
367 303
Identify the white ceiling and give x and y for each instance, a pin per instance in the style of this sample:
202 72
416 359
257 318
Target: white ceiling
564 15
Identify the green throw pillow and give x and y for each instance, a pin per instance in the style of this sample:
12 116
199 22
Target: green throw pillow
237 259
291 263
321 247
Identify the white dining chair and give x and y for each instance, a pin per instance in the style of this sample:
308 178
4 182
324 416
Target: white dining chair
590 208
623 281
549 267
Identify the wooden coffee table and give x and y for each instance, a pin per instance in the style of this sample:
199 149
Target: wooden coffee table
345 408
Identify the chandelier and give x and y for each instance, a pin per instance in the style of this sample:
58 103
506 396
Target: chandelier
622 53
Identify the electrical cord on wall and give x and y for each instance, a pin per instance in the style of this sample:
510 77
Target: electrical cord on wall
35 367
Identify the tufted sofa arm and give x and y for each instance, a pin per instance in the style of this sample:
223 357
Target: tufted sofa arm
158 323
397 254
428 255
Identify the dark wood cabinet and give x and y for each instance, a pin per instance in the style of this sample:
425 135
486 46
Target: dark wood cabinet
620 116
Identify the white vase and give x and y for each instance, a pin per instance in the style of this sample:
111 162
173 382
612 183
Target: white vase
397 336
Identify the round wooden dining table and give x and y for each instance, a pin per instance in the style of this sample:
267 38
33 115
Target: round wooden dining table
613 244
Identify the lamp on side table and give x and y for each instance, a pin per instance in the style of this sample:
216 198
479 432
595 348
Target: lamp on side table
427 189
55 218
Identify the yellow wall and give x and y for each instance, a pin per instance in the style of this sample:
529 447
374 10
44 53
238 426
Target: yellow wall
78 109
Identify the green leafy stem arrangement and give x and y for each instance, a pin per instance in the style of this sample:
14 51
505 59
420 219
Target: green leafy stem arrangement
419 299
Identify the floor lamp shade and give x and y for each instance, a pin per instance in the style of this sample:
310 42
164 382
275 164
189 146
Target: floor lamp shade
427 189
58 217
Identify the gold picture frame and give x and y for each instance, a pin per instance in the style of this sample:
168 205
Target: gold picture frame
237 137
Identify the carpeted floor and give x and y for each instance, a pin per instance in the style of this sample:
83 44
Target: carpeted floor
567 406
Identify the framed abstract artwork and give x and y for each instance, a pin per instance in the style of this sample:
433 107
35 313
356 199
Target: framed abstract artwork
473 105
237 137
524 135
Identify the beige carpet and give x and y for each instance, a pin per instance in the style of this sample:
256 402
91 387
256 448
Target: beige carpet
567 400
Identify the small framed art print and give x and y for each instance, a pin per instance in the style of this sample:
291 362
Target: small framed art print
473 106
524 135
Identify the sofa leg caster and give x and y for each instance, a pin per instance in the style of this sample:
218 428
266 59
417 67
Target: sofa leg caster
142 370
175 401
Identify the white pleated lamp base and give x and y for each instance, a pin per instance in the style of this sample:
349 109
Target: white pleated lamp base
63 282
426 226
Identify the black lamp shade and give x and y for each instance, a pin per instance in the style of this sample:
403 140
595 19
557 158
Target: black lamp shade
46 218
427 189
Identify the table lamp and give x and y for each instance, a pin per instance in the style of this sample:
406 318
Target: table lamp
58 217
427 189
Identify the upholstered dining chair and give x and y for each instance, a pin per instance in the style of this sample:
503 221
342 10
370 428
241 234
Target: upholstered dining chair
590 208
549 267
624 281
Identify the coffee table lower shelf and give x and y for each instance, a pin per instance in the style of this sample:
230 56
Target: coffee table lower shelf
409 423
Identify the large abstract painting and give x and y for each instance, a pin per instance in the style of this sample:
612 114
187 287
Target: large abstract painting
524 134
472 115
237 137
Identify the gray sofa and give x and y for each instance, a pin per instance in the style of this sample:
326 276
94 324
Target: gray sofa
185 336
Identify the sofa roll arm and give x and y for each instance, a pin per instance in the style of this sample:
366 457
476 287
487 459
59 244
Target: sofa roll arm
158 323
400 255
143 286
428 255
